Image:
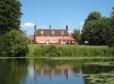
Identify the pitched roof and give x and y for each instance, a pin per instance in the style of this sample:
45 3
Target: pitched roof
51 32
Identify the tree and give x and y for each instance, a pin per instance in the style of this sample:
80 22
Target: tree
88 30
10 13
93 16
112 28
13 44
95 29
76 34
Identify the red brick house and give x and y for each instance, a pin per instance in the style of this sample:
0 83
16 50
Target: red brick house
53 36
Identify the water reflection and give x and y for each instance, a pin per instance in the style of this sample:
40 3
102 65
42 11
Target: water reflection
58 70
12 71
54 72
46 71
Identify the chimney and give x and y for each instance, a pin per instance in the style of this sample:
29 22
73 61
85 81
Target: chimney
34 27
49 26
34 32
66 27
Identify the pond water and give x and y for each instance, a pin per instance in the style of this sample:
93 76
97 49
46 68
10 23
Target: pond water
47 71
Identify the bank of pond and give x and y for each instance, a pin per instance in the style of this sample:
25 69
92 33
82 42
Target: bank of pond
69 51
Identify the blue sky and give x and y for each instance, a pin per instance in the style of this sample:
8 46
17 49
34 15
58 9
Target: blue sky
59 13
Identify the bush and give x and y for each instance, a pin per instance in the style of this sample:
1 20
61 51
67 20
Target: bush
13 44
46 50
70 51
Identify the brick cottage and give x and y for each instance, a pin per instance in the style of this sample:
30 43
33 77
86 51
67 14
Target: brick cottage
53 36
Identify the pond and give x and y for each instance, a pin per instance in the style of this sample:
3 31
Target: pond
47 71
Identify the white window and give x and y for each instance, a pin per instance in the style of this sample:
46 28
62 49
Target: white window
62 32
52 32
42 32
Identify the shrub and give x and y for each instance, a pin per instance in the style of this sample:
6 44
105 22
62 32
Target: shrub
71 51
13 44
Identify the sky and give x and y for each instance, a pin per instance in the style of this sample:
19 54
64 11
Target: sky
59 13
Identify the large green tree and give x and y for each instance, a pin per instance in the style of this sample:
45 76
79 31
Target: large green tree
96 29
111 30
93 16
13 44
12 40
88 31
10 13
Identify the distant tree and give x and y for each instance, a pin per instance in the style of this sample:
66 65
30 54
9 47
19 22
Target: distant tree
76 34
10 13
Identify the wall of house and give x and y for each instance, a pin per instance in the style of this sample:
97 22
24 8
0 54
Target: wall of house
53 39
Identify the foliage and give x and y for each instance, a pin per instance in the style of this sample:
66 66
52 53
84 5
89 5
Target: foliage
50 51
69 51
95 32
112 28
98 30
101 78
88 30
76 34
13 43
93 16
10 13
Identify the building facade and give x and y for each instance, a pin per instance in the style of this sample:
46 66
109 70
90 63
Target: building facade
53 36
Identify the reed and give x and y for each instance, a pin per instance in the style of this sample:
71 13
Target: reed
69 51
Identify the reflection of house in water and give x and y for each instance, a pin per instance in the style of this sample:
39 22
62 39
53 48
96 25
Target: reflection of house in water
37 71
66 69
58 70
48 71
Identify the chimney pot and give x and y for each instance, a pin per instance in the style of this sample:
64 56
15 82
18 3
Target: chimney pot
49 26
66 27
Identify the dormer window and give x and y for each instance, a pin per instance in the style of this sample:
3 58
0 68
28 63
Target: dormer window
42 32
52 32
62 32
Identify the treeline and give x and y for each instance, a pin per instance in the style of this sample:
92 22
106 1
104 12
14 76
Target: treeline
12 40
97 30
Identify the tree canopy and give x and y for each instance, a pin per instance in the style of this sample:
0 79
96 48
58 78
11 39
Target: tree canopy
13 41
98 30
13 44
10 14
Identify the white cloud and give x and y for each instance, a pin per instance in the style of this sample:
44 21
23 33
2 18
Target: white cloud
28 24
81 25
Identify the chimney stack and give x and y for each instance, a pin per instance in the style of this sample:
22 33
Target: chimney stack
49 26
34 32
66 27
34 27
